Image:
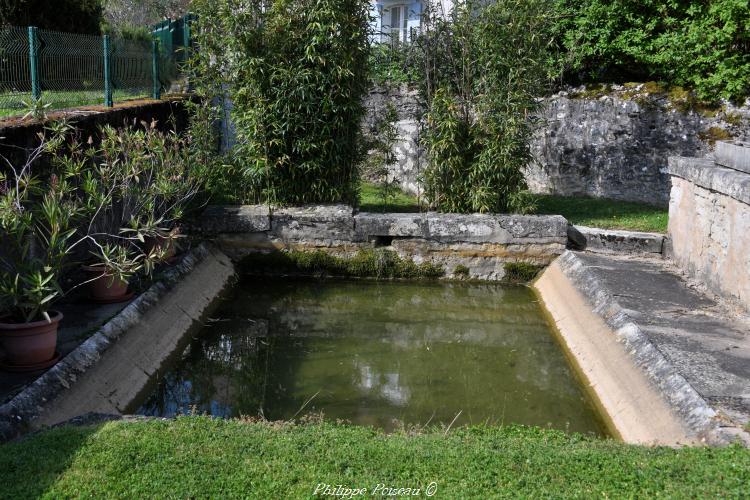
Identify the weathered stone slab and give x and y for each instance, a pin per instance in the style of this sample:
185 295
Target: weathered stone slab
325 223
734 155
369 225
236 219
485 228
705 173
627 242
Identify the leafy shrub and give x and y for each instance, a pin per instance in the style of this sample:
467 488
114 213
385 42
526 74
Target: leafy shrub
395 64
37 226
131 187
381 155
295 72
486 66
703 45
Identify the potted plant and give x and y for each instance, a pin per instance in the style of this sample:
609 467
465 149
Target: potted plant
133 188
108 275
37 226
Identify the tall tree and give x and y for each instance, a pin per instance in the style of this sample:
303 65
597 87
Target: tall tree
74 16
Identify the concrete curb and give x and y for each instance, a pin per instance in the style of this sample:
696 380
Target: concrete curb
36 405
696 414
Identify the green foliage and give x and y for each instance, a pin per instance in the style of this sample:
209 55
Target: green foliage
702 45
296 73
366 263
381 156
72 16
604 213
37 226
520 272
394 64
206 457
133 186
486 68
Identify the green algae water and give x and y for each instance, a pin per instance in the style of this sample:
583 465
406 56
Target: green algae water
384 354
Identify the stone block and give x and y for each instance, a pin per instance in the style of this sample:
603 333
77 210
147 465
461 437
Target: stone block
734 155
325 223
236 219
369 225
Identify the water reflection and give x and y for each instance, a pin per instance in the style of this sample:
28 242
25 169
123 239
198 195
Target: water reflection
372 353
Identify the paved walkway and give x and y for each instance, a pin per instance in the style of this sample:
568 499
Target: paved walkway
707 344
82 319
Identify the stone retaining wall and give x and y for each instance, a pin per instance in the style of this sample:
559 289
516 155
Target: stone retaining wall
709 225
613 143
17 135
482 243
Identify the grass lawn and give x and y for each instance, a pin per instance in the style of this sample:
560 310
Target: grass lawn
606 214
371 200
212 458
584 211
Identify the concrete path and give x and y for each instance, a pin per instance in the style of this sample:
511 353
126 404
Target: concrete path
704 341
82 319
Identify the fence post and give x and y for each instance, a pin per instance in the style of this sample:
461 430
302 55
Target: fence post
107 74
36 88
155 68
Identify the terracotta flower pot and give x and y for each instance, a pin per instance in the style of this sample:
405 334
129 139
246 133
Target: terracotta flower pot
104 286
162 243
30 346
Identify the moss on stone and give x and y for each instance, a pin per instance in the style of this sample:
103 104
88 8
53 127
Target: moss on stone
366 263
734 119
713 134
461 272
592 91
520 272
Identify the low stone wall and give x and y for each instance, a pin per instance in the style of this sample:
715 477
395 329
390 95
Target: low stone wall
481 243
17 136
709 225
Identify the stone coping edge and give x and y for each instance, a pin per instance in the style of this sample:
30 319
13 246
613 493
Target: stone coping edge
311 221
16 413
707 174
685 401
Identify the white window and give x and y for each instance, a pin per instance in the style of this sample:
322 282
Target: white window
397 17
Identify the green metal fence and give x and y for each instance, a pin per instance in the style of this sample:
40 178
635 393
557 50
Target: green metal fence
66 70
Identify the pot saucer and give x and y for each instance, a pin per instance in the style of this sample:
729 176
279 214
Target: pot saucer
30 367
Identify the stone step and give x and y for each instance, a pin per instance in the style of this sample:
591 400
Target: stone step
598 240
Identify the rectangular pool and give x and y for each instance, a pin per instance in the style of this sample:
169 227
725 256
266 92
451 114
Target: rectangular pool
384 354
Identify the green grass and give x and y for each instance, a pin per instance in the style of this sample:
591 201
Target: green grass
604 213
211 458
579 210
371 200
